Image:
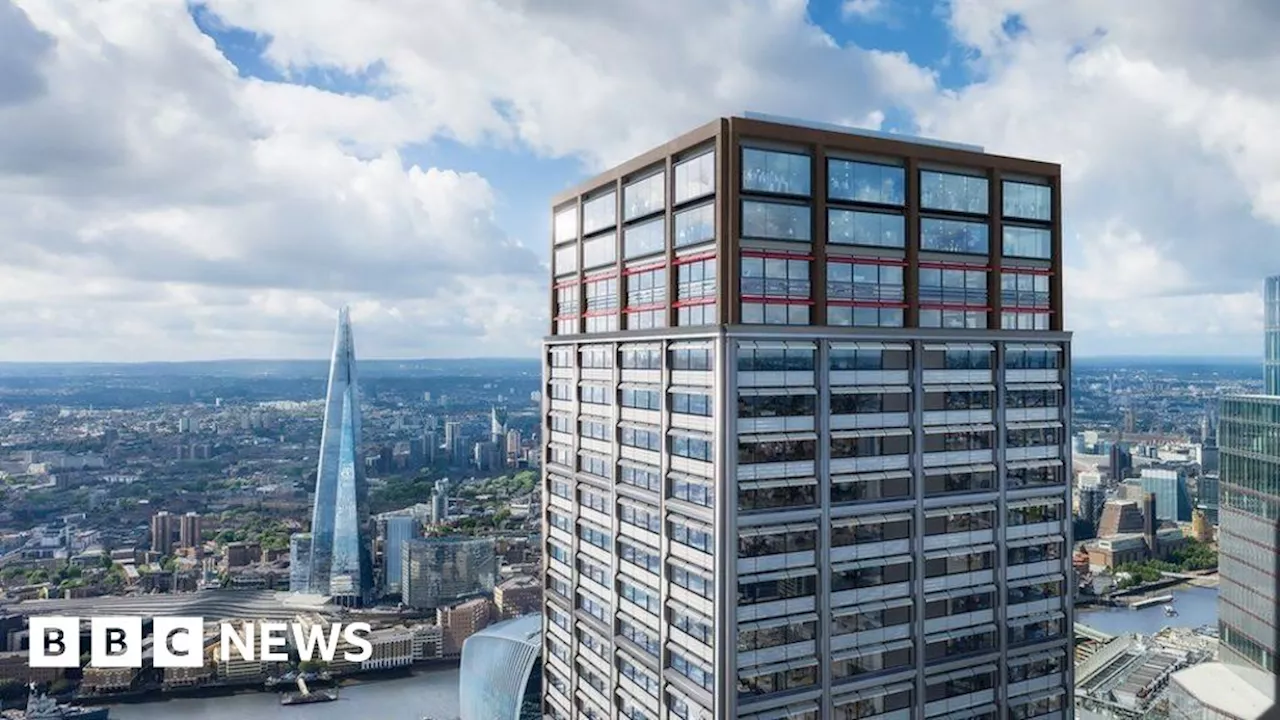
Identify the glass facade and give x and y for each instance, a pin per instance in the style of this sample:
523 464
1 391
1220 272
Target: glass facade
437 572
341 549
499 677
1271 320
1249 531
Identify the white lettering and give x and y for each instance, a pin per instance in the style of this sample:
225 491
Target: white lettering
314 638
273 635
355 633
230 637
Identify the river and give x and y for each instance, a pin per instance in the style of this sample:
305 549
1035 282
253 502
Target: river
432 693
1196 606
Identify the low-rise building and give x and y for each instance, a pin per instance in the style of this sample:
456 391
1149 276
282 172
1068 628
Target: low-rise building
516 596
392 648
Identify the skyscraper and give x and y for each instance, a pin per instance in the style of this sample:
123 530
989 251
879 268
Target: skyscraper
805 422
190 527
300 562
396 530
1271 352
164 528
341 550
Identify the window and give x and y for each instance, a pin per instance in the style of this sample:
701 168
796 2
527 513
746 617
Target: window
696 583
951 285
561 487
600 212
953 236
1032 359
1034 476
764 681
1021 633
861 620
762 591
959 564
593 464
695 490
762 638
779 173
692 670
1034 592
565 260
959 400
776 221
559 455
593 536
560 357
964 604
567 307
646 299
869 358
641 398
596 356
775 359
860 403
1040 667
957 359
598 251
946 483
959 520
953 192
639 636
646 238
777 543
559 521
1017 399
641 477
689 403
602 305
695 225
691 536
1027 201
696 280
641 516
566 225
865 182
1033 437
1030 514
694 625
701 313
561 390
594 572
869 707
691 357
872 446
869 531
753 452
692 447
695 177
593 394
871 576
767 278
1041 552
640 556
869 488
1021 320
954 647
646 681
594 429
874 229
871 661
864 294
771 496
641 358
561 422
640 437
1028 242
767 406
644 196
1024 290
641 596
1037 708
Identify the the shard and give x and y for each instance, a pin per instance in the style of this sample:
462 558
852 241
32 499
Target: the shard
341 548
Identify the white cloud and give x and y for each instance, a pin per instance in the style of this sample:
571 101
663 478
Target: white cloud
862 9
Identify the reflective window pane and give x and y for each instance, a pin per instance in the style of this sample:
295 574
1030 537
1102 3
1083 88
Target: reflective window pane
852 227
775 221
775 172
645 239
566 260
953 236
1027 201
566 225
599 251
1028 242
646 196
950 191
695 177
865 182
695 225
599 213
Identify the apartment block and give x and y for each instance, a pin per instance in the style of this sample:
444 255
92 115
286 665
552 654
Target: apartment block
805 404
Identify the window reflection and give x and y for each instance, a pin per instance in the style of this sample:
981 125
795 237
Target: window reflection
1028 242
776 221
770 171
775 277
599 251
646 196
954 236
852 227
865 182
695 177
566 225
695 225
953 192
645 239
953 286
600 212
566 260
1027 201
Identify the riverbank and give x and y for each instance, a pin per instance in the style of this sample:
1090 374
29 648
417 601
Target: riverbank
1195 607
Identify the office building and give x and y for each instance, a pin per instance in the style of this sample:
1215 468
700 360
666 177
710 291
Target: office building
460 622
1093 499
441 571
1173 499
517 596
1271 352
341 536
805 412
500 676
300 562
1121 461
396 530
164 530
1249 532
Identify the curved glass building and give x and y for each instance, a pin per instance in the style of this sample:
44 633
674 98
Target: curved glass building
501 677
1271 368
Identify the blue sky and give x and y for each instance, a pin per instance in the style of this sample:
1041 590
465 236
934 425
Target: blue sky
184 181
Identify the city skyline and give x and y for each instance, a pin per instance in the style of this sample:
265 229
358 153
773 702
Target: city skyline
188 181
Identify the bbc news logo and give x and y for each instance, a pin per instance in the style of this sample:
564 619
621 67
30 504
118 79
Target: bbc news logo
178 642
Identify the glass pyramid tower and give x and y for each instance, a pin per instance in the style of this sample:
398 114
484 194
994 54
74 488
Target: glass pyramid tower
341 549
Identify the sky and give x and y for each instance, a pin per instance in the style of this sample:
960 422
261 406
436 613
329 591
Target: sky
213 180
